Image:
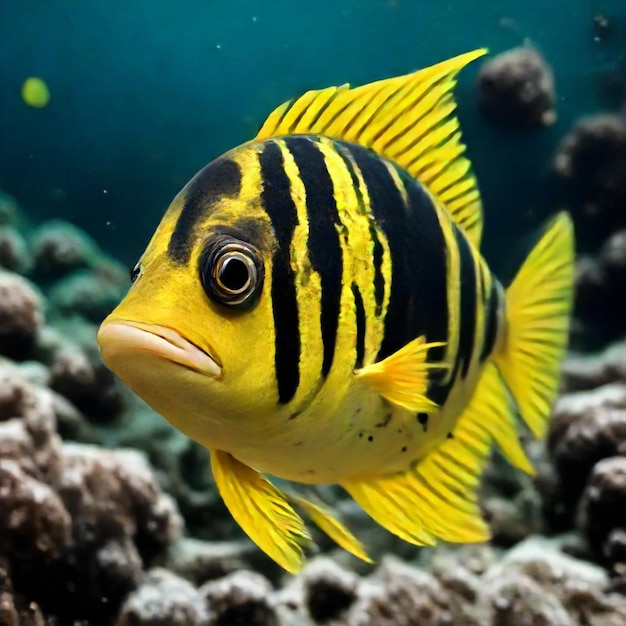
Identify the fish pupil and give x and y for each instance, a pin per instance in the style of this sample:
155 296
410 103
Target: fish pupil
235 274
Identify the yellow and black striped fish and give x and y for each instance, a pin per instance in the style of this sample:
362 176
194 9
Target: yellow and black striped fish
314 306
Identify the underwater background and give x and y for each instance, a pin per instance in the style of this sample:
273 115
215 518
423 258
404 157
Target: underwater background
144 94
110 516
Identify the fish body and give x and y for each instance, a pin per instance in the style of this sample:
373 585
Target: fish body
314 306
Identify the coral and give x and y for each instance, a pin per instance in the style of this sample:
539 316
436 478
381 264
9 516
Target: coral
201 561
584 372
164 599
592 160
9 211
240 598
405 596
91 388
77 513
328 590
604 507
90 293
602 279
60 248
516 89
21 315
14 254
586 428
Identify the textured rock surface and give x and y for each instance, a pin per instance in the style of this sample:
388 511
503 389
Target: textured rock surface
516 89
592 160
21 315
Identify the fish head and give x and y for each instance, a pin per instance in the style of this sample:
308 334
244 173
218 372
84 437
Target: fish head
194 335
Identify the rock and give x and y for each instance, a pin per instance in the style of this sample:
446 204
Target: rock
586 427
243 597
329 590
115 494
405 596
38 522
92 294
14 254
604 509
21 315
201 561
602 280
516 600
591 159
60 248
9 211
516 89
91 388
164 599
535 581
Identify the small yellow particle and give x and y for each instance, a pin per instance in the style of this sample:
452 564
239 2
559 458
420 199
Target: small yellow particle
35 92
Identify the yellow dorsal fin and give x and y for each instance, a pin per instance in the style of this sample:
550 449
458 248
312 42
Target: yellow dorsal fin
329 524
402 378
438 497
261 510
408 119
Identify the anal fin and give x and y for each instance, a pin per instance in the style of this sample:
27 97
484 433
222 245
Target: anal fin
330 525
438 497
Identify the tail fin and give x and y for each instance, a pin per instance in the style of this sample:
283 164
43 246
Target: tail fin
538 306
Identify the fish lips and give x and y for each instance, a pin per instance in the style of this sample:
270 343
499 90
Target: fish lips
124 336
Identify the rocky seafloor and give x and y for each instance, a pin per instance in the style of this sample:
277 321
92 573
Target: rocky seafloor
109 517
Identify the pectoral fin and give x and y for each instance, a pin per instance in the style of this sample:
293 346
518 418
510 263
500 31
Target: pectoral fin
261 510
403 377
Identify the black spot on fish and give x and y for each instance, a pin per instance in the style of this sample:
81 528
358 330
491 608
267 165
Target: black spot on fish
360 326
360 435
370 438
323 240
404 448
450 435
278 204
220 178
422 418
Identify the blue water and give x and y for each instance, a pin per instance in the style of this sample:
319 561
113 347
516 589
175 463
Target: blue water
145 92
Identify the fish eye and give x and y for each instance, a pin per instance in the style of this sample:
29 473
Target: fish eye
136 272
231 272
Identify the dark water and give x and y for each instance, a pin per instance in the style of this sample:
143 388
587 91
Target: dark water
144 93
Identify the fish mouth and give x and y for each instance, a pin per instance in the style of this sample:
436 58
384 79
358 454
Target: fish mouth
119 337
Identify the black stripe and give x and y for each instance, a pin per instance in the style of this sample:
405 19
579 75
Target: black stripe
323 240
377 251
491 322
467 318
379 280
418 301
277 202
220 178
360 326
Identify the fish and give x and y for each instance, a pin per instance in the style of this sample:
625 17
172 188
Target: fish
314 307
